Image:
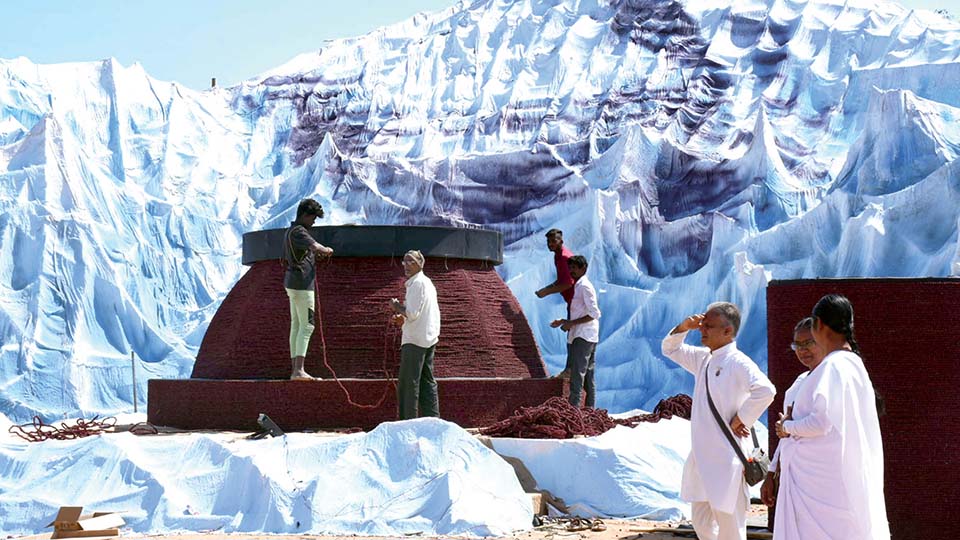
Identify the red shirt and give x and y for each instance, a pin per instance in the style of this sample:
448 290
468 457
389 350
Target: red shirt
563 272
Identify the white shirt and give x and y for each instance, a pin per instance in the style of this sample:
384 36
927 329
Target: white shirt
713 472
421 325
833 460
584 303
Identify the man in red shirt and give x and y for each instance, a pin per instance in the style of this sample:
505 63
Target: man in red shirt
564 282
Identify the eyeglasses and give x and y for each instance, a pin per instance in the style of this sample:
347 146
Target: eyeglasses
797 345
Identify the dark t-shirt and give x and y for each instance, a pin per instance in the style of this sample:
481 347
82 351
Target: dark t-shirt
563 272
301 267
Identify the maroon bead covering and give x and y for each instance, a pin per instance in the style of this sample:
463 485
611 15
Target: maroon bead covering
487 362
483 331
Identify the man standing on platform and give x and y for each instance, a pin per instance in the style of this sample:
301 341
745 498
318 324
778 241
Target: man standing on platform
420 316
583 334
564 282
299 252
713 479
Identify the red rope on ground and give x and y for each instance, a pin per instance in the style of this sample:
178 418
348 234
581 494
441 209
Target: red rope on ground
679 405
556 418
391 332
38 431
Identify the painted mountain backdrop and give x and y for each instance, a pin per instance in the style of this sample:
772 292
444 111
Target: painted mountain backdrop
691 150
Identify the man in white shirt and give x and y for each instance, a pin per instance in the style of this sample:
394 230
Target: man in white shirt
713 475
583 333
420 315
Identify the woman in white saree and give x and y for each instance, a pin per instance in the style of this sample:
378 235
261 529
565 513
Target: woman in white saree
831 454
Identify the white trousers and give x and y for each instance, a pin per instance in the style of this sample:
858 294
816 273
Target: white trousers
301 321
713 525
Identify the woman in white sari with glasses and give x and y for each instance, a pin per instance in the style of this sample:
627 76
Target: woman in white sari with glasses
831 472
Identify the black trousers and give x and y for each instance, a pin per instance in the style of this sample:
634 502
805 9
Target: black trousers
581 357
416 385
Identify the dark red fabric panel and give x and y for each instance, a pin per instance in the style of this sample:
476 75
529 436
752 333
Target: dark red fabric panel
484 333
300 405
907 331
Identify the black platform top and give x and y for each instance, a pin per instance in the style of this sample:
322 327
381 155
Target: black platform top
384 241
807 281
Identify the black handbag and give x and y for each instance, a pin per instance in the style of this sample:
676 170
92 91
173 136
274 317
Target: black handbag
756 466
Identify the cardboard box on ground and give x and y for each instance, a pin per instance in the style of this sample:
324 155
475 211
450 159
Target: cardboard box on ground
69 523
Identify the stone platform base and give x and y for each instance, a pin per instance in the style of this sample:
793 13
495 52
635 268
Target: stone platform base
306 405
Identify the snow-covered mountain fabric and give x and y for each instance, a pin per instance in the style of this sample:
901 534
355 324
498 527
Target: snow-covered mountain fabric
691 150
423 476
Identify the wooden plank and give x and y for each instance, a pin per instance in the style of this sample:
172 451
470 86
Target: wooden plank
539 505
67 514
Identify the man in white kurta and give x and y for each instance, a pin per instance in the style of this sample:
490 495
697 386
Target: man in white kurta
713 475
831 465
420 315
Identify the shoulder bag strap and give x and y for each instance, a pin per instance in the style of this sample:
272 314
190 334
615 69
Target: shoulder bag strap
723 425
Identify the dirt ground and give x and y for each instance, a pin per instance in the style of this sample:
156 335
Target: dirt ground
615 530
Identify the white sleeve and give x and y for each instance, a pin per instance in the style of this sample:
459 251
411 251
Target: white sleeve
415 301
761 391
590 302
815 424
688 357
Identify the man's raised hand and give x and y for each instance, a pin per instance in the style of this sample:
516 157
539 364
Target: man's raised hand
690 323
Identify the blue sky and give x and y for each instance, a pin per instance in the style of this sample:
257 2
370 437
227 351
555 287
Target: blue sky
190 41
